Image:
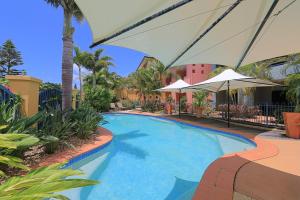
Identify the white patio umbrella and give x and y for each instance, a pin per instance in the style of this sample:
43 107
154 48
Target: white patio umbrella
228 80
178 32
178 86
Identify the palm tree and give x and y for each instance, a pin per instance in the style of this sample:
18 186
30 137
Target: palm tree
79 59
70 10
95 62
259 70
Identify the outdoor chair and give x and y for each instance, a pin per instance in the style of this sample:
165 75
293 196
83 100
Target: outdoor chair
120 106
113 107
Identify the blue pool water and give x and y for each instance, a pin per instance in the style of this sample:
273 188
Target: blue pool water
152 159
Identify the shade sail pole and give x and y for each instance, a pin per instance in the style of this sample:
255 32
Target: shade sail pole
143 21
257 32
206 31
228 105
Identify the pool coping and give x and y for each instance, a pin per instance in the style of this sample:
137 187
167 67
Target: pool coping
219 178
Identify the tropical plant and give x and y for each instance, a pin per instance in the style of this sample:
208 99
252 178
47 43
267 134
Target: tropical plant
147 80
9 57
98 98
12 121
38 184
70 10
86 121
104 78
79 59
183 102
42 183
49 86
151 106
200 98
3 81
10 143
54 129
293 89
96 62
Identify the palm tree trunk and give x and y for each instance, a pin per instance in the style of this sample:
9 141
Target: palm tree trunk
67 62
80 84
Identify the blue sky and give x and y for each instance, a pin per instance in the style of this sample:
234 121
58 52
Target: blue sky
36 30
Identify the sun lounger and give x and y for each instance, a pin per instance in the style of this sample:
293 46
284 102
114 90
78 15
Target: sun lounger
113 106
120 106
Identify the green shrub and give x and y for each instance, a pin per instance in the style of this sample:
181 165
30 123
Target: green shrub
54 129
85 121
98 98
151 106
293 89
183 101
200 98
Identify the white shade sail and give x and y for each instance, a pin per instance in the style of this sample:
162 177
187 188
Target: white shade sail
167 36
234 79
177 86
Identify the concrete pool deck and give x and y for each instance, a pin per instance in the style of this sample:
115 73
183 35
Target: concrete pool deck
270 171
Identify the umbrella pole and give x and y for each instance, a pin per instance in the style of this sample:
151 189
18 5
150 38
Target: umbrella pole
228 106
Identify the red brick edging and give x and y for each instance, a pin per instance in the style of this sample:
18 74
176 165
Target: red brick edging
103 138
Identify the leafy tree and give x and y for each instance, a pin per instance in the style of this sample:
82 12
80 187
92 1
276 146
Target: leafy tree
293 89
99 98
96 63
48 86
104 78
79 59
9 57
70 10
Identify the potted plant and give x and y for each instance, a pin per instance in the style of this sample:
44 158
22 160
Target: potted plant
169 107
292 119
200 102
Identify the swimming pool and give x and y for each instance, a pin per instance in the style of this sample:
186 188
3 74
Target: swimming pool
151 158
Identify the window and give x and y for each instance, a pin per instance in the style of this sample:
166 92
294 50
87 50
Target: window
193 71
194 65
202 71
202 65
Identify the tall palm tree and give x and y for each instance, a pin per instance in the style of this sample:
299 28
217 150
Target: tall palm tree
79 59
70 10
96 62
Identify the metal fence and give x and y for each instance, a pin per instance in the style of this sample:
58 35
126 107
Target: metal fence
266 115
50 98
6 95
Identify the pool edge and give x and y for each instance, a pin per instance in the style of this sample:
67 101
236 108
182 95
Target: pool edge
219 177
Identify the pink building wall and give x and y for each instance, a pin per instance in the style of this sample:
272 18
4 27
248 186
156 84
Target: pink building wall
196 73
193 73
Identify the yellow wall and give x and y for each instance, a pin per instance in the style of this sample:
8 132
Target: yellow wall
28 88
